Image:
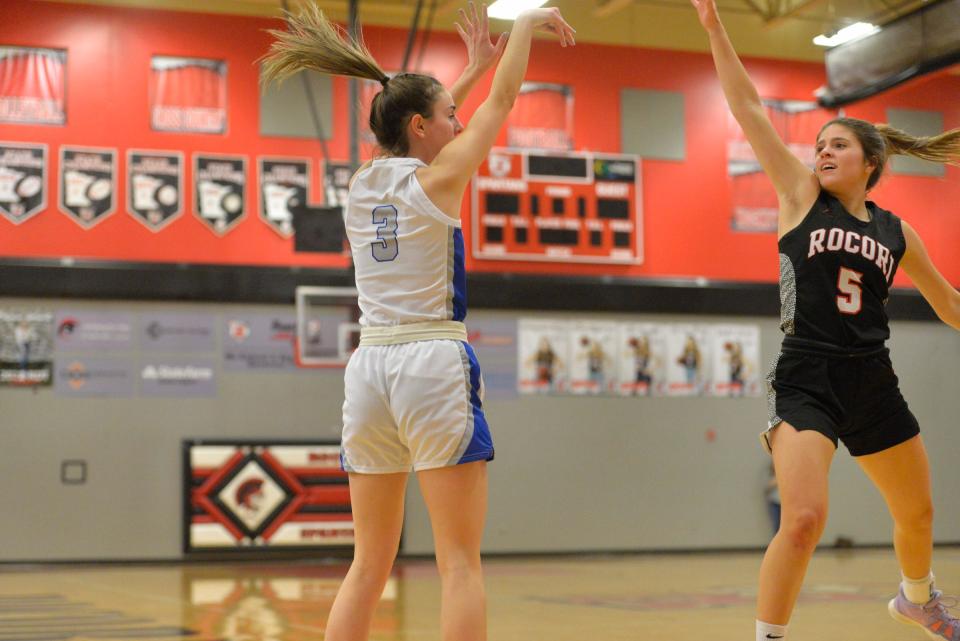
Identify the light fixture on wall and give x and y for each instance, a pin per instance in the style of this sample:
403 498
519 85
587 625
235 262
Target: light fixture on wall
510 9
849 33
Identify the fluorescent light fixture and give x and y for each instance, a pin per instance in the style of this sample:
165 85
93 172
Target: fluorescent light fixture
853 32
510 9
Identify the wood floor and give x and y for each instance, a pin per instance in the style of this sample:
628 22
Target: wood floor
689 597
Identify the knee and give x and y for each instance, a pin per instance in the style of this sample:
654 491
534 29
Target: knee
918 517
373 564
804 526
458 564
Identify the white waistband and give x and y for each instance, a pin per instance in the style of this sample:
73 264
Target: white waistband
411 332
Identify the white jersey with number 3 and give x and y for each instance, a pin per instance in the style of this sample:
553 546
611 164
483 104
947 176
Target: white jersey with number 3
408 254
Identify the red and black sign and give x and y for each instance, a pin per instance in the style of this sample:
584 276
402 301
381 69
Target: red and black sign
32 86
23 180
154 187
88 184
284 184
219 187
188 95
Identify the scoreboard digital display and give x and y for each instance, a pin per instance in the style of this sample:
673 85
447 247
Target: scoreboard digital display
558 206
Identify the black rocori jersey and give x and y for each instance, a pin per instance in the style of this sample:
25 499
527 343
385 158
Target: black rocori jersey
835 275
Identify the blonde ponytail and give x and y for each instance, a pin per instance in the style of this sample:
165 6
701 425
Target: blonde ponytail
313 42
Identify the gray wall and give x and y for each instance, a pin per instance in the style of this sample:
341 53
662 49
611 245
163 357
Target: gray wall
572 474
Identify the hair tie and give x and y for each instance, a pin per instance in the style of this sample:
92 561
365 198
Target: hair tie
384 81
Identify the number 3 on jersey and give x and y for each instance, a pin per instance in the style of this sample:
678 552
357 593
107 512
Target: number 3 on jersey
849 300
385 248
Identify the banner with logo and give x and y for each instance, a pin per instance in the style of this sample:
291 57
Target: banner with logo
284 184
243 495
79 376
83 330
188 95
643 359
736 360
543 361
178 378
26 348
593 357
33 86
88 184
155 187
688 360
259 342
336 183
219 187
172 332
23 180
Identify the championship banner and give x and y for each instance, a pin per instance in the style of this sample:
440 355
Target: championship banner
23 180
26 348
219 190
245 495
754 206
188 95
542 117
32 86
154 187
284 184
336 183
88 184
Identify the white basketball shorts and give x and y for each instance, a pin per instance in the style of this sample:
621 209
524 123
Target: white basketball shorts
413 405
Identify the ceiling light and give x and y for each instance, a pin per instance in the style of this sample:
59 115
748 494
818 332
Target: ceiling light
853 32
510 9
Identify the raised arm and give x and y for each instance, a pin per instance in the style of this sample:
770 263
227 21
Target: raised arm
943 298
481 52
447 176
797 186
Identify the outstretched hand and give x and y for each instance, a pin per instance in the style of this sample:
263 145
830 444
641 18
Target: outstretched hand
549 19
707 11
475 33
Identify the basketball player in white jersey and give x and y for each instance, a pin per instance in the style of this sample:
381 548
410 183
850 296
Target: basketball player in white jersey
834 381
413 388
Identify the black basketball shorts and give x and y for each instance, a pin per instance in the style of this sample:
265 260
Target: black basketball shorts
852 398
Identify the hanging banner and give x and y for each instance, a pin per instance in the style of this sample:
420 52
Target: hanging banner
735 351
336 183
754 201
688 360
32 86
23 180
26 348
88 184
542 117
188 95
154 187
643 359
219 191
284 184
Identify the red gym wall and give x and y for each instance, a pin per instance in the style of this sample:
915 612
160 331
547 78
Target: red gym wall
686 204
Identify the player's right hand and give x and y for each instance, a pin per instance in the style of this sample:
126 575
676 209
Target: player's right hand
707 11
549 19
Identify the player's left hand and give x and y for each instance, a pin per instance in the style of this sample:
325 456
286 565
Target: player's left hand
475 33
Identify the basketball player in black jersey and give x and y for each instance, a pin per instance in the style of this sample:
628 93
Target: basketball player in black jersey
834 380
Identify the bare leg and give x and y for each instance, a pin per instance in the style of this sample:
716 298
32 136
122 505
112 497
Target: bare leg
902 474
377 501
457 500
802 461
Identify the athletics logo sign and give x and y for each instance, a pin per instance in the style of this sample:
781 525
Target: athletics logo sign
88 184
23 180
154 187
220 191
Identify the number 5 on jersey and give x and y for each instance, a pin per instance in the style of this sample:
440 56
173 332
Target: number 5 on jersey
849 300
385 248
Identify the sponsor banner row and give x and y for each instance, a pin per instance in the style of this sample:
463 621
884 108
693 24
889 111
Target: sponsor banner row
88 180
638 359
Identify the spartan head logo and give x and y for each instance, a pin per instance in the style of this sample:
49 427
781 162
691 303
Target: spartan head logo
249 494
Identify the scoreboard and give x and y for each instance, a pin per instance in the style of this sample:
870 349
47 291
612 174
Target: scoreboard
558 206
